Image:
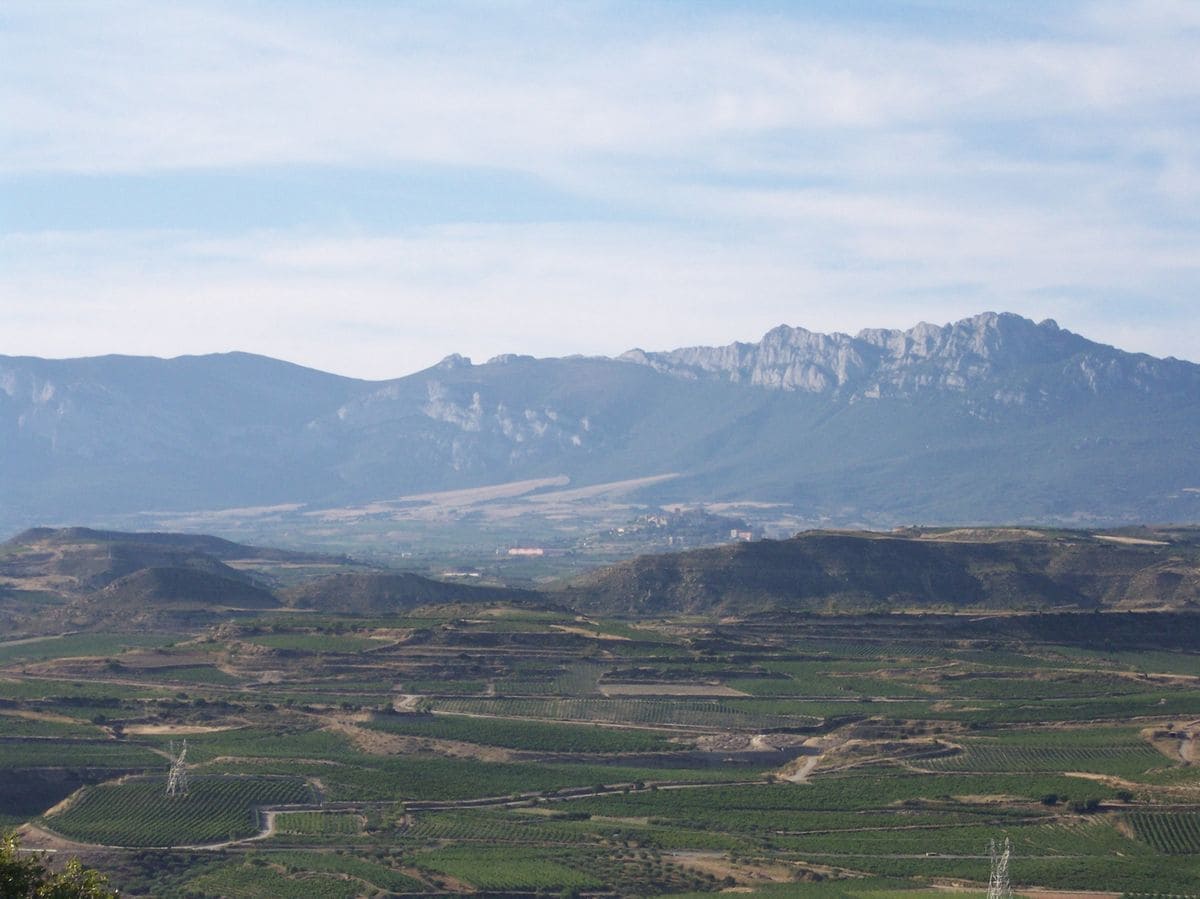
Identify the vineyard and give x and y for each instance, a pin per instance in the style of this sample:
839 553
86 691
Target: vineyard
460 750
531 735
138 813
318 823
505 868
1170 834
253 881
1117 760
661 712
376 875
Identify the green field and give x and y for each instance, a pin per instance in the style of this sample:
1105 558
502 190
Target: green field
531 735
138 813
510 771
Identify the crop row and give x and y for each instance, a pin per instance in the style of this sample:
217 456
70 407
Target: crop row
1175 833
376 874
69 753
531 735
507 868
1127 760
318 823
251 881
788 807
690 713
488 828
139 813
372 778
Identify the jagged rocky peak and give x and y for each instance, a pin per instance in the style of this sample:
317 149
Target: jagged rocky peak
453 361
878 361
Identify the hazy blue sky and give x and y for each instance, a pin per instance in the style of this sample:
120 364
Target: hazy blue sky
366 187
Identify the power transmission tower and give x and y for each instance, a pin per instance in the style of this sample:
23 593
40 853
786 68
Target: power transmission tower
177 778
999 886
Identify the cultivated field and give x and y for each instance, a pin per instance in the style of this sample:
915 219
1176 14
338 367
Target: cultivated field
517 752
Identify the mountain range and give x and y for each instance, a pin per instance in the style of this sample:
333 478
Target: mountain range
987 420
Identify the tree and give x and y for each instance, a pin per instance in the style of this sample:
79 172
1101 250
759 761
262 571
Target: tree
26 876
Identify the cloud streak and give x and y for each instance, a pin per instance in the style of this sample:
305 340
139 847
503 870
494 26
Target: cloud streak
751 166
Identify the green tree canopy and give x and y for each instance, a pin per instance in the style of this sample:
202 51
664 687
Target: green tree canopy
27 876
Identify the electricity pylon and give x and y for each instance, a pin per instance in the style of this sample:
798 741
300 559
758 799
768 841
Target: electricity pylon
999 886
177 778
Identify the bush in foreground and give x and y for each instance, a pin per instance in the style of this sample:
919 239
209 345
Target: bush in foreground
27 876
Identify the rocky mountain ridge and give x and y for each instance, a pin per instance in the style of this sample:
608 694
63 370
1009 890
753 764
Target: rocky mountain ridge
987 349
991 419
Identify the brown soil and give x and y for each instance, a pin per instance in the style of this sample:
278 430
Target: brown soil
1106 779
406 702
34 837
379 743
39 716
176 729
718 865
64 805
586 632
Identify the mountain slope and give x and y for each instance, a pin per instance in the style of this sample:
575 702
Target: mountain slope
991 419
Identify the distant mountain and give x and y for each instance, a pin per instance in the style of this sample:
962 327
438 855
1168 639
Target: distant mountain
991 419
848 571
1000 359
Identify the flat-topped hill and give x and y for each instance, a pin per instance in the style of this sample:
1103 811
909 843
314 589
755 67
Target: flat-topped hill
937 569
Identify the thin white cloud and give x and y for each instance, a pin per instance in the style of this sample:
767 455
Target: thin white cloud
769 167
131 86
382 307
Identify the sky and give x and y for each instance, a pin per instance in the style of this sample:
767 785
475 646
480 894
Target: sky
367 187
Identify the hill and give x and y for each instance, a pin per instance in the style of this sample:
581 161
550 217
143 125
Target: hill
979 569
991 419
54 579
381 593
217 547
165 598
80 560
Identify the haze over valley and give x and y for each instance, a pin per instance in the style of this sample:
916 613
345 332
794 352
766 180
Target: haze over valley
990 420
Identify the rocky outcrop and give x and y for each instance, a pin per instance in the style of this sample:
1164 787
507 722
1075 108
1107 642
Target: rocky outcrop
1000 351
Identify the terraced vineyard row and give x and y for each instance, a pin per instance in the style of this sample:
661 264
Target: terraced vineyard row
531 735
138 812
377 875
1119 760
1172 834
506 868
683 713
318 823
